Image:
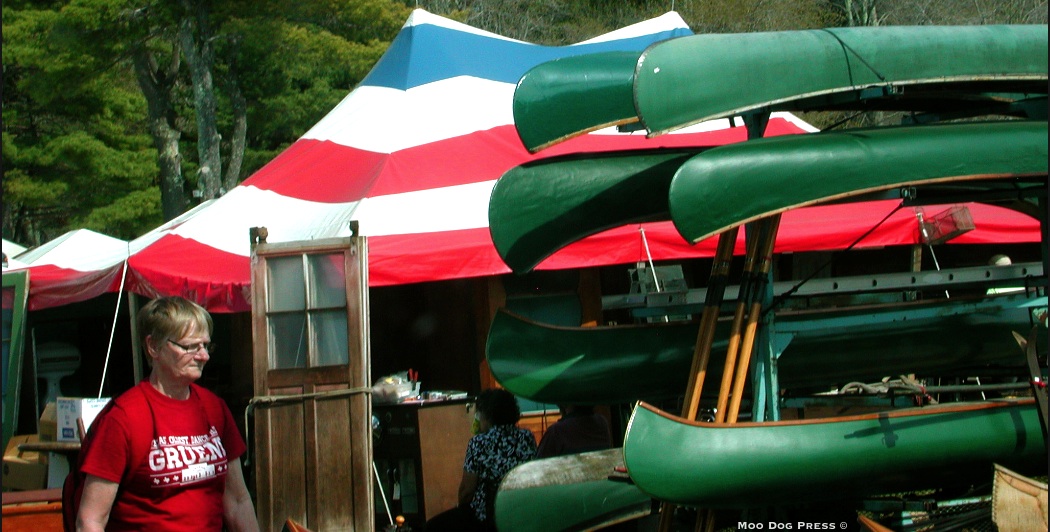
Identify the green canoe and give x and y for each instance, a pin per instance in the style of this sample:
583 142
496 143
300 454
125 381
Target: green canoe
734 184
758 464
537 208
947 71
575 492
763 70
561 99
625 363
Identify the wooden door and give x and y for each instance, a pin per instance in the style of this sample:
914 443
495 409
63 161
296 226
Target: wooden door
311 372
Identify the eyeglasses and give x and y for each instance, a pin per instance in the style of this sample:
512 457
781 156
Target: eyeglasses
195 348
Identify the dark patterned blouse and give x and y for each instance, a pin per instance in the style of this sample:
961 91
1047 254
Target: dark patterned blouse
490 456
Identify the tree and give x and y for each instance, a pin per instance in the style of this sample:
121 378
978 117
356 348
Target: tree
189 74
72 141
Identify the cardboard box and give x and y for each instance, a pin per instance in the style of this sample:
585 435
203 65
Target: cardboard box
49 423
71 408
24 470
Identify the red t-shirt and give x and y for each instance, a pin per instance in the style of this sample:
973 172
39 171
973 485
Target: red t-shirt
169 456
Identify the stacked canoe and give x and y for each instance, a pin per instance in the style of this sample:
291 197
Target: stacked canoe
974 102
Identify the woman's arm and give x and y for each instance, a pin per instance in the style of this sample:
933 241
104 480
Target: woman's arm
467 485
237 508
96 501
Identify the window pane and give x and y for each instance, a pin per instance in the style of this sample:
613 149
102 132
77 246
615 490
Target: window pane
327 280
330 332
284 276
287 341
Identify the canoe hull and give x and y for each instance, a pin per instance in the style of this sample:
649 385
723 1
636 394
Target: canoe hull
730 185
752 464
538 208
544 116
777 68
572 492
622 364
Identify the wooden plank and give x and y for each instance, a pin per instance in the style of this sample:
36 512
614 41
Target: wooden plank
32 517
359 374
281 477
331 475
1019 503
444 432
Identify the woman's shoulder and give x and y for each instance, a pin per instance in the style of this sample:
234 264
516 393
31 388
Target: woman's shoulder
132 399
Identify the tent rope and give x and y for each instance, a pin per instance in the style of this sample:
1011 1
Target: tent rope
113 328
648 255
779 300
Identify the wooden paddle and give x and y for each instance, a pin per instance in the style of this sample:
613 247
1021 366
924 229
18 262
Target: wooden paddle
768 238
716 289
736 332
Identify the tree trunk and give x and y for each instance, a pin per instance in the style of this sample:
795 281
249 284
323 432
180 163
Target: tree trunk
197 47
156 84
238 139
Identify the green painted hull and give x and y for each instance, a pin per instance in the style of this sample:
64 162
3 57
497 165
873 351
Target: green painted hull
538 208
945 70
568 493
591 365
620 364
758 464
738 183
766 69
571 96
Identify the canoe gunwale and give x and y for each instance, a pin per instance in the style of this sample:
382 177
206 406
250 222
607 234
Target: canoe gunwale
943 408
859 193
815 100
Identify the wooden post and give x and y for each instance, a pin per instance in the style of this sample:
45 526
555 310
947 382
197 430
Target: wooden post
489 296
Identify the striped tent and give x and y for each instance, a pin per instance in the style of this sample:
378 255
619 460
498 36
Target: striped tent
76 266
411 154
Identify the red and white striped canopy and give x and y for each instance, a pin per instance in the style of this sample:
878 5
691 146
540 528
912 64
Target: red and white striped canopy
79 265
412 155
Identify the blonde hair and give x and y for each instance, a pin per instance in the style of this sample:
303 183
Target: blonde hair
170 318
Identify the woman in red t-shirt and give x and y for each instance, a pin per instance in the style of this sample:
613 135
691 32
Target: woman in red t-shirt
166 456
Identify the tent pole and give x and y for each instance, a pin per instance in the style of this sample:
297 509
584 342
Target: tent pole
136 348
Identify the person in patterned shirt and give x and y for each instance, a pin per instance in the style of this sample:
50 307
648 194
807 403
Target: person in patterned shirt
498 447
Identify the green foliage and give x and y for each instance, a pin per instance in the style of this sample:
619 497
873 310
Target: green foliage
77 146
124 217
298 73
